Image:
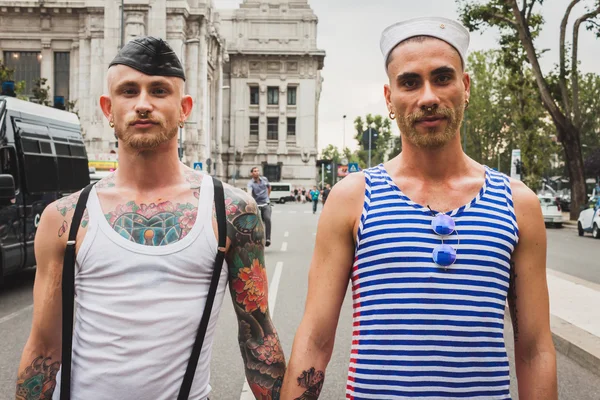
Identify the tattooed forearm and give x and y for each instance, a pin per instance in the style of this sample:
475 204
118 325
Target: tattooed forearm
261 350
512 301
312 381
37 381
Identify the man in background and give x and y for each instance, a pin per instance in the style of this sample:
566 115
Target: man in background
260 189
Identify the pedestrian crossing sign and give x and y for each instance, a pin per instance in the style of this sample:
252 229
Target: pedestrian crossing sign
198 166
353 167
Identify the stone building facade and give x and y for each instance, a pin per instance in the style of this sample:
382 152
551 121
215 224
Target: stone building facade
267 47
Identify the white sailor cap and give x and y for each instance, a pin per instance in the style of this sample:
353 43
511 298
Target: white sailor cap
444 29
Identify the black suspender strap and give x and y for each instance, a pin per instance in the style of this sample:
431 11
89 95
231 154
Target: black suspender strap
186 385
68 295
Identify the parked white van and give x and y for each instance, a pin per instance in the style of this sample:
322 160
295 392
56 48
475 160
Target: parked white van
281 192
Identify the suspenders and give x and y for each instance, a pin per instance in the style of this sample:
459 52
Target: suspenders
68 294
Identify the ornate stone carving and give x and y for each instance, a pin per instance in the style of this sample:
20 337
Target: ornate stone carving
135 25
305 154
192 30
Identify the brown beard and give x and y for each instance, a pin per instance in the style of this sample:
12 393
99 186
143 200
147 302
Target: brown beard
434 138
146 140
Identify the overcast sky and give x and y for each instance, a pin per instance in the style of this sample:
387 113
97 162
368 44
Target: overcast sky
349 31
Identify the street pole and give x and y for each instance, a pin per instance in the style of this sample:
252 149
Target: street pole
370 133
322 176
344 137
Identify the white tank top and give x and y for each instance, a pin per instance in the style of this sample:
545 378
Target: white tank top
138 309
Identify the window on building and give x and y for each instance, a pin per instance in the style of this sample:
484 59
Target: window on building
272 172
291 96
272 128
27 67
254 96
62 62
254 128
273 95
291 126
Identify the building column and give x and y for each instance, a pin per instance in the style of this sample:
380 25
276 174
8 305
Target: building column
193 122
84 87
203 134
220 172
282 132
97 83
47 68
74 74
262 121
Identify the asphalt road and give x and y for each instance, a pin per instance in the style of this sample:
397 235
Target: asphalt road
294 228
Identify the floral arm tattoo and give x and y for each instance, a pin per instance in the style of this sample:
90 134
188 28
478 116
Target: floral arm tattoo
64 206
261 350
38 381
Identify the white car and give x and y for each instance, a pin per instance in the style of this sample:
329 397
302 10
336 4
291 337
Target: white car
551 210
589 218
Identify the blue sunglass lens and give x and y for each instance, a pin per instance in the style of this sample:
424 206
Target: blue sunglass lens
444 255
443 225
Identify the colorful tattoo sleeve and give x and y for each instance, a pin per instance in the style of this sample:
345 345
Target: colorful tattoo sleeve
38 381
261 350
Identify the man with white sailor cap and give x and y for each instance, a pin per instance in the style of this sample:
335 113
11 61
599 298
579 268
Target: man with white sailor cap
434 244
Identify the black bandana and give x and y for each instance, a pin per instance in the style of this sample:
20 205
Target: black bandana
151 56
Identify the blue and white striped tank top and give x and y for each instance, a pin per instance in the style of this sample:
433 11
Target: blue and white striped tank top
420 331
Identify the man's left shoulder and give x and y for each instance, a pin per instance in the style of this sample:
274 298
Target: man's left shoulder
526 203
238 201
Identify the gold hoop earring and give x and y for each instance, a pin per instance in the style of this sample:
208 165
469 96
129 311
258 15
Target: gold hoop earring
466 103
392 115
111 124
181 124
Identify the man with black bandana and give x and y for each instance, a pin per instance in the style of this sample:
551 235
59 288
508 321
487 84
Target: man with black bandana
145 253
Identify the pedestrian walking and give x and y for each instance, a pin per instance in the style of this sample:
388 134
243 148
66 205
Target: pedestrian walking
260 189
326 192
434 245
314 195
144 256
303 191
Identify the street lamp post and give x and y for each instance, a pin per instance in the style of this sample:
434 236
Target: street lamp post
344 135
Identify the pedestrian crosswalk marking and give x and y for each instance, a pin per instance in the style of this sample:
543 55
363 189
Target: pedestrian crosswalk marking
286 234
284 246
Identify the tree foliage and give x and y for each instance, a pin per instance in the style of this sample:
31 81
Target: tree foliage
509 115
520 23
41 92
385 145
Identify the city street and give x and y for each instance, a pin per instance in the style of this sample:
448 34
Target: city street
288 258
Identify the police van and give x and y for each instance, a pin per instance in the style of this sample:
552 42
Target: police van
42 158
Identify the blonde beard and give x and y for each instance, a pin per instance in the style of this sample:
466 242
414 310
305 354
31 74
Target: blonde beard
146 141
432 139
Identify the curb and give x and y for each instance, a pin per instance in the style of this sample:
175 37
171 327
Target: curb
577 344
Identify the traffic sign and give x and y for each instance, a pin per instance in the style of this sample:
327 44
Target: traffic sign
344 161
353 167
198 166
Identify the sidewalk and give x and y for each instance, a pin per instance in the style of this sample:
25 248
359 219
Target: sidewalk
567 223
575 318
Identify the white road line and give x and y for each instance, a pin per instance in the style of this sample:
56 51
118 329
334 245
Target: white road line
286 234
293 212
284 246
307 212
273 288
15 314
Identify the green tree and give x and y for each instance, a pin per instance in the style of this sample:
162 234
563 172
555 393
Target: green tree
382 147
519 27
41 92
333 153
